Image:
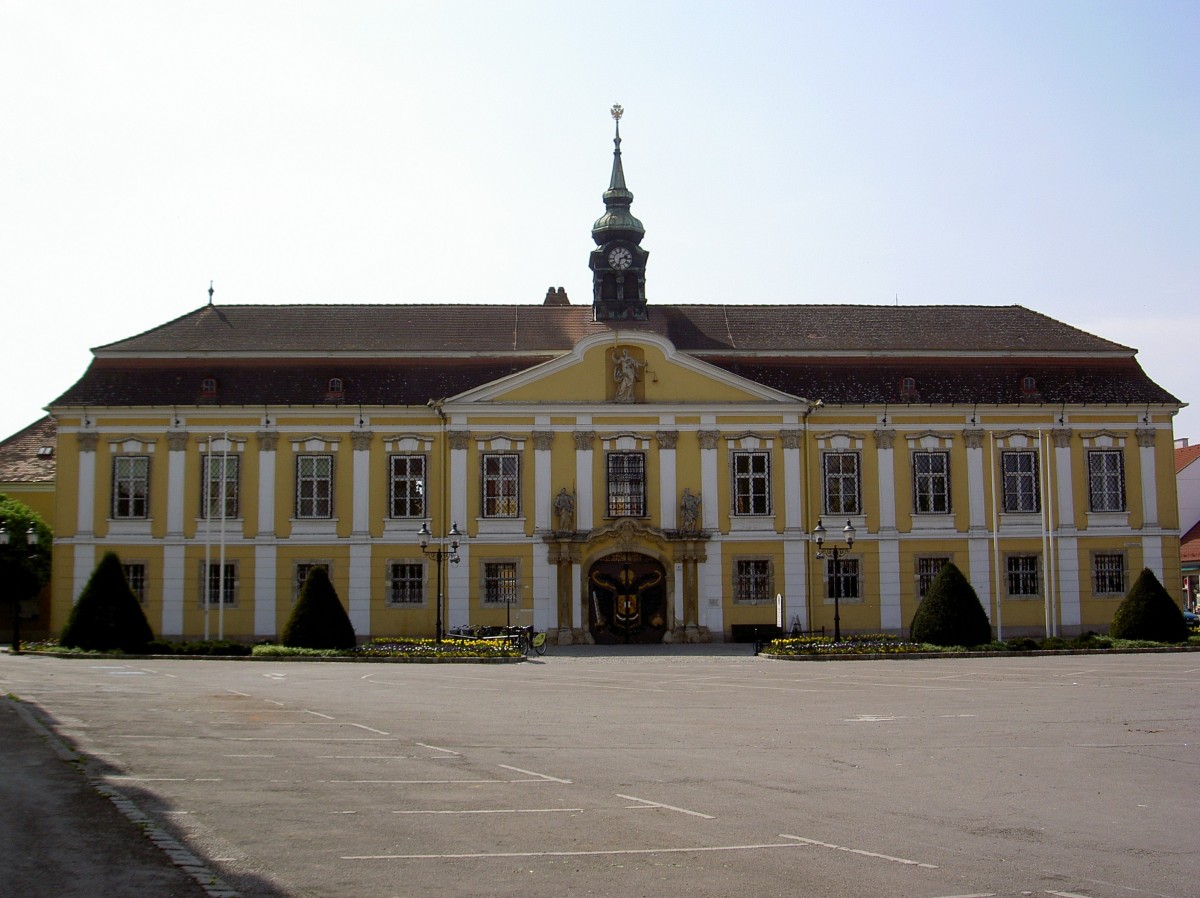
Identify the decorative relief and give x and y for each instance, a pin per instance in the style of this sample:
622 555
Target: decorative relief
791 439
1062 437
177 440
584 440
361 439
268 440
708 438
667 438
973 437
543 439
87 440
1145 437
884 438
458 439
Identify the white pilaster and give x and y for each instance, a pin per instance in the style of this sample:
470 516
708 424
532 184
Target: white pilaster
667 487
891 615
361 467
85 509
976 489
173 573
585 504
360 585
1149 483
1069 576
795 588
176 457
265 586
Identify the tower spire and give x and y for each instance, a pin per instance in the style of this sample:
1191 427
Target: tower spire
618 263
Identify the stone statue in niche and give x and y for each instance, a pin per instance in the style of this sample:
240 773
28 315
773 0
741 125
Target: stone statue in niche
689 512
625 372
564 510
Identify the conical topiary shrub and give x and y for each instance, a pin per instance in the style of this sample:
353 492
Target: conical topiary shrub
319 621
1148 612
107 615
950 613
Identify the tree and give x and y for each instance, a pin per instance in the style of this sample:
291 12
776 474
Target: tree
1148 612
107 615
24 568
319 621
950 613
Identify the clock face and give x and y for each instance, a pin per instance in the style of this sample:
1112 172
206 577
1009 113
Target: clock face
620 258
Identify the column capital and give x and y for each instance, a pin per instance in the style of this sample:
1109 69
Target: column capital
708 438
268 440
884 438
177 440
1145 437
458 439
361 439
973 437
1062 437
543 439
667 438
584 440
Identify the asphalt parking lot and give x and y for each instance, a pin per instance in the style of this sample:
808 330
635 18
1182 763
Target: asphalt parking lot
711 773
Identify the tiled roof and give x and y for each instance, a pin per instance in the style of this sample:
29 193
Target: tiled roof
496 330
1189 546
28 455
1184 456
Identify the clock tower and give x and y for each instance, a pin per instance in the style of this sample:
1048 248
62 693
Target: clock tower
618 263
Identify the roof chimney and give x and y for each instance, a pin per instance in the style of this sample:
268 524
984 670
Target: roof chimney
556 297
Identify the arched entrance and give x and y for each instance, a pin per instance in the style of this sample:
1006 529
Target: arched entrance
627 599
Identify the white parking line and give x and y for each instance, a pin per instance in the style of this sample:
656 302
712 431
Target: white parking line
645 802
544 776
448 751
502 811
608 853
882 857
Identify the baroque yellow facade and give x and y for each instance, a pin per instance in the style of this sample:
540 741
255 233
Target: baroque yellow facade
619 471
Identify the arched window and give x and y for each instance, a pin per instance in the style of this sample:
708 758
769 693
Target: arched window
335 389
1029 384
208 387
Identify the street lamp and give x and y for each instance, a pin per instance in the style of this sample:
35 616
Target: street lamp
445 549
31 537
819 539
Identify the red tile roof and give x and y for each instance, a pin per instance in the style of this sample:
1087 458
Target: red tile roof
1184 456
28 455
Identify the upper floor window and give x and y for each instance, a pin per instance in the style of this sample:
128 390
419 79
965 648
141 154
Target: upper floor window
1022 575
931 482
501 485
135 576
208 387
626 484
407 486
751 483
1029 384
314 486
841 483
335 388
131 486
1108 573
1020 469
500 583
220 484
406 583
1106 480
927 570
752 581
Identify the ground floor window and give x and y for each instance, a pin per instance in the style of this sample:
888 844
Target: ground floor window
752 581
1108 574
406 583
220 581
927 570
135 576
303 569
1022 573
846 580
500 583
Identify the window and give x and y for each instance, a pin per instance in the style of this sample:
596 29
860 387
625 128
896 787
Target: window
221 582
626 484
1022 575
752 581
500 583
220 481
1106 480
931 482
303 569
751 483
135 576
208 387
501 485
841 483
927 571
314 486
407 486
1020 471
848 578
131 486
1108 574
335 388
406 583
1029 385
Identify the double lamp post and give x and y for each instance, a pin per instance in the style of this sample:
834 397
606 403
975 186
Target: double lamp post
31 538
819 539
445 548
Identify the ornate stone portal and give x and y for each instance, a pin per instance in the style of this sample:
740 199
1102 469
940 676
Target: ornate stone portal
627 584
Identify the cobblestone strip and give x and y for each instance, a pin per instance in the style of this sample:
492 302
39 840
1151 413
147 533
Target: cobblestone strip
170 846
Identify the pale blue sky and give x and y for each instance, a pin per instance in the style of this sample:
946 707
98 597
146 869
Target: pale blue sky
1035 153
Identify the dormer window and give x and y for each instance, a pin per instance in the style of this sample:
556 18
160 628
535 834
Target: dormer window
908 388
45 452
1029 385
208 387
335 388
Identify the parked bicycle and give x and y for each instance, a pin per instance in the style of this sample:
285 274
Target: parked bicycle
528 639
